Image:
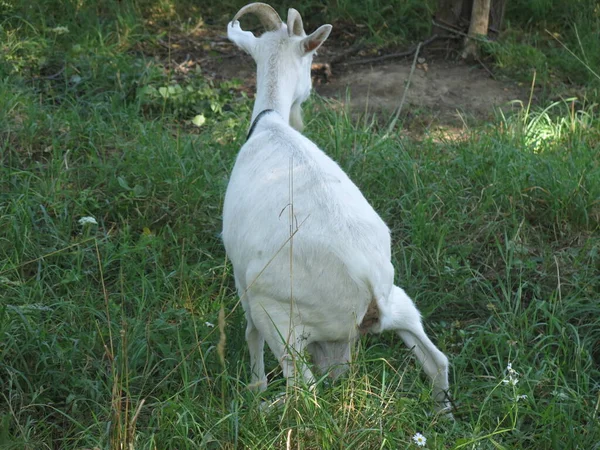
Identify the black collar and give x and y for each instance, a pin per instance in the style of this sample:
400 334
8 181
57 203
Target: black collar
255 122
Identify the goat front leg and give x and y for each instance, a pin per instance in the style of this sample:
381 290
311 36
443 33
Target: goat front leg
256 344
331 356
290 354
287 342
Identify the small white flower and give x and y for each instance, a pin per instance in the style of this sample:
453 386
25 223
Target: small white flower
513 376
209 325
87 220
522 397
419 439
60 30
511 371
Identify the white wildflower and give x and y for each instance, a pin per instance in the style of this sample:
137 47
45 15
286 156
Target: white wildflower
419 439
513 376
88 220
209 325
522 397
511 371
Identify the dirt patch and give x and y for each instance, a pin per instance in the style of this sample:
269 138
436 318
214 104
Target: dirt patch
450 92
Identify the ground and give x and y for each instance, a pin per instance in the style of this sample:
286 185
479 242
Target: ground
442 91
446 91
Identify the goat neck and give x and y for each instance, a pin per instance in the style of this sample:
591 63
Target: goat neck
283 58
278 82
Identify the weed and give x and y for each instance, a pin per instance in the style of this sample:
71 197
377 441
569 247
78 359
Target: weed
197 98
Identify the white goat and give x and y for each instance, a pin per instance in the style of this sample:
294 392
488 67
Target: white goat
311 258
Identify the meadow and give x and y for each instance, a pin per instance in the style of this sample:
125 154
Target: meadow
120 326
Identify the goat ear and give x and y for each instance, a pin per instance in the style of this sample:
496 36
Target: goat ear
311 43
294 23
243 39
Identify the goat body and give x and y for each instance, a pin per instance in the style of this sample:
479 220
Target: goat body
311 258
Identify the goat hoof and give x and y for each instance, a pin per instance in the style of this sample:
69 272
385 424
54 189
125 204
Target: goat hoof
258 386
276 403
444 411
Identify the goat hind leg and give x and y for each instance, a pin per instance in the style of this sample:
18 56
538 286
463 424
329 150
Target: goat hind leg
434 362
402 316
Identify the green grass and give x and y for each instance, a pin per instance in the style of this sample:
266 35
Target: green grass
106 336
554 39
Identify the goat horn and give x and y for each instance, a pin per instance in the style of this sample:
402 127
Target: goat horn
267 15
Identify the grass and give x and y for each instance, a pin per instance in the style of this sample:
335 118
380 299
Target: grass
553 39
112 334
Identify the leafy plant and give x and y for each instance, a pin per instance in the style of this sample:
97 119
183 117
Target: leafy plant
193 98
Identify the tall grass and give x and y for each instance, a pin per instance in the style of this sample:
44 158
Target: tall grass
110 332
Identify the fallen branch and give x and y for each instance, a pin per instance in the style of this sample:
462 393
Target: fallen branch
353 49
486 68
396 55
460 33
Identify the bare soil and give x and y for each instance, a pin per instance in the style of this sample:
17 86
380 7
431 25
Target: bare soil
443 91
448 92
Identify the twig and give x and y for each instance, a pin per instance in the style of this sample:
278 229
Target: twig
49 77
180 65
454 27
353 49
56 75
486 68
221 57
452 30
412 70
396 55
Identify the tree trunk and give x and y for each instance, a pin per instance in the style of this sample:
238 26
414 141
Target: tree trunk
497 9
481 18
477 28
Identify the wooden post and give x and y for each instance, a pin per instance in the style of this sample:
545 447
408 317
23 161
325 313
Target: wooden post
477 28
